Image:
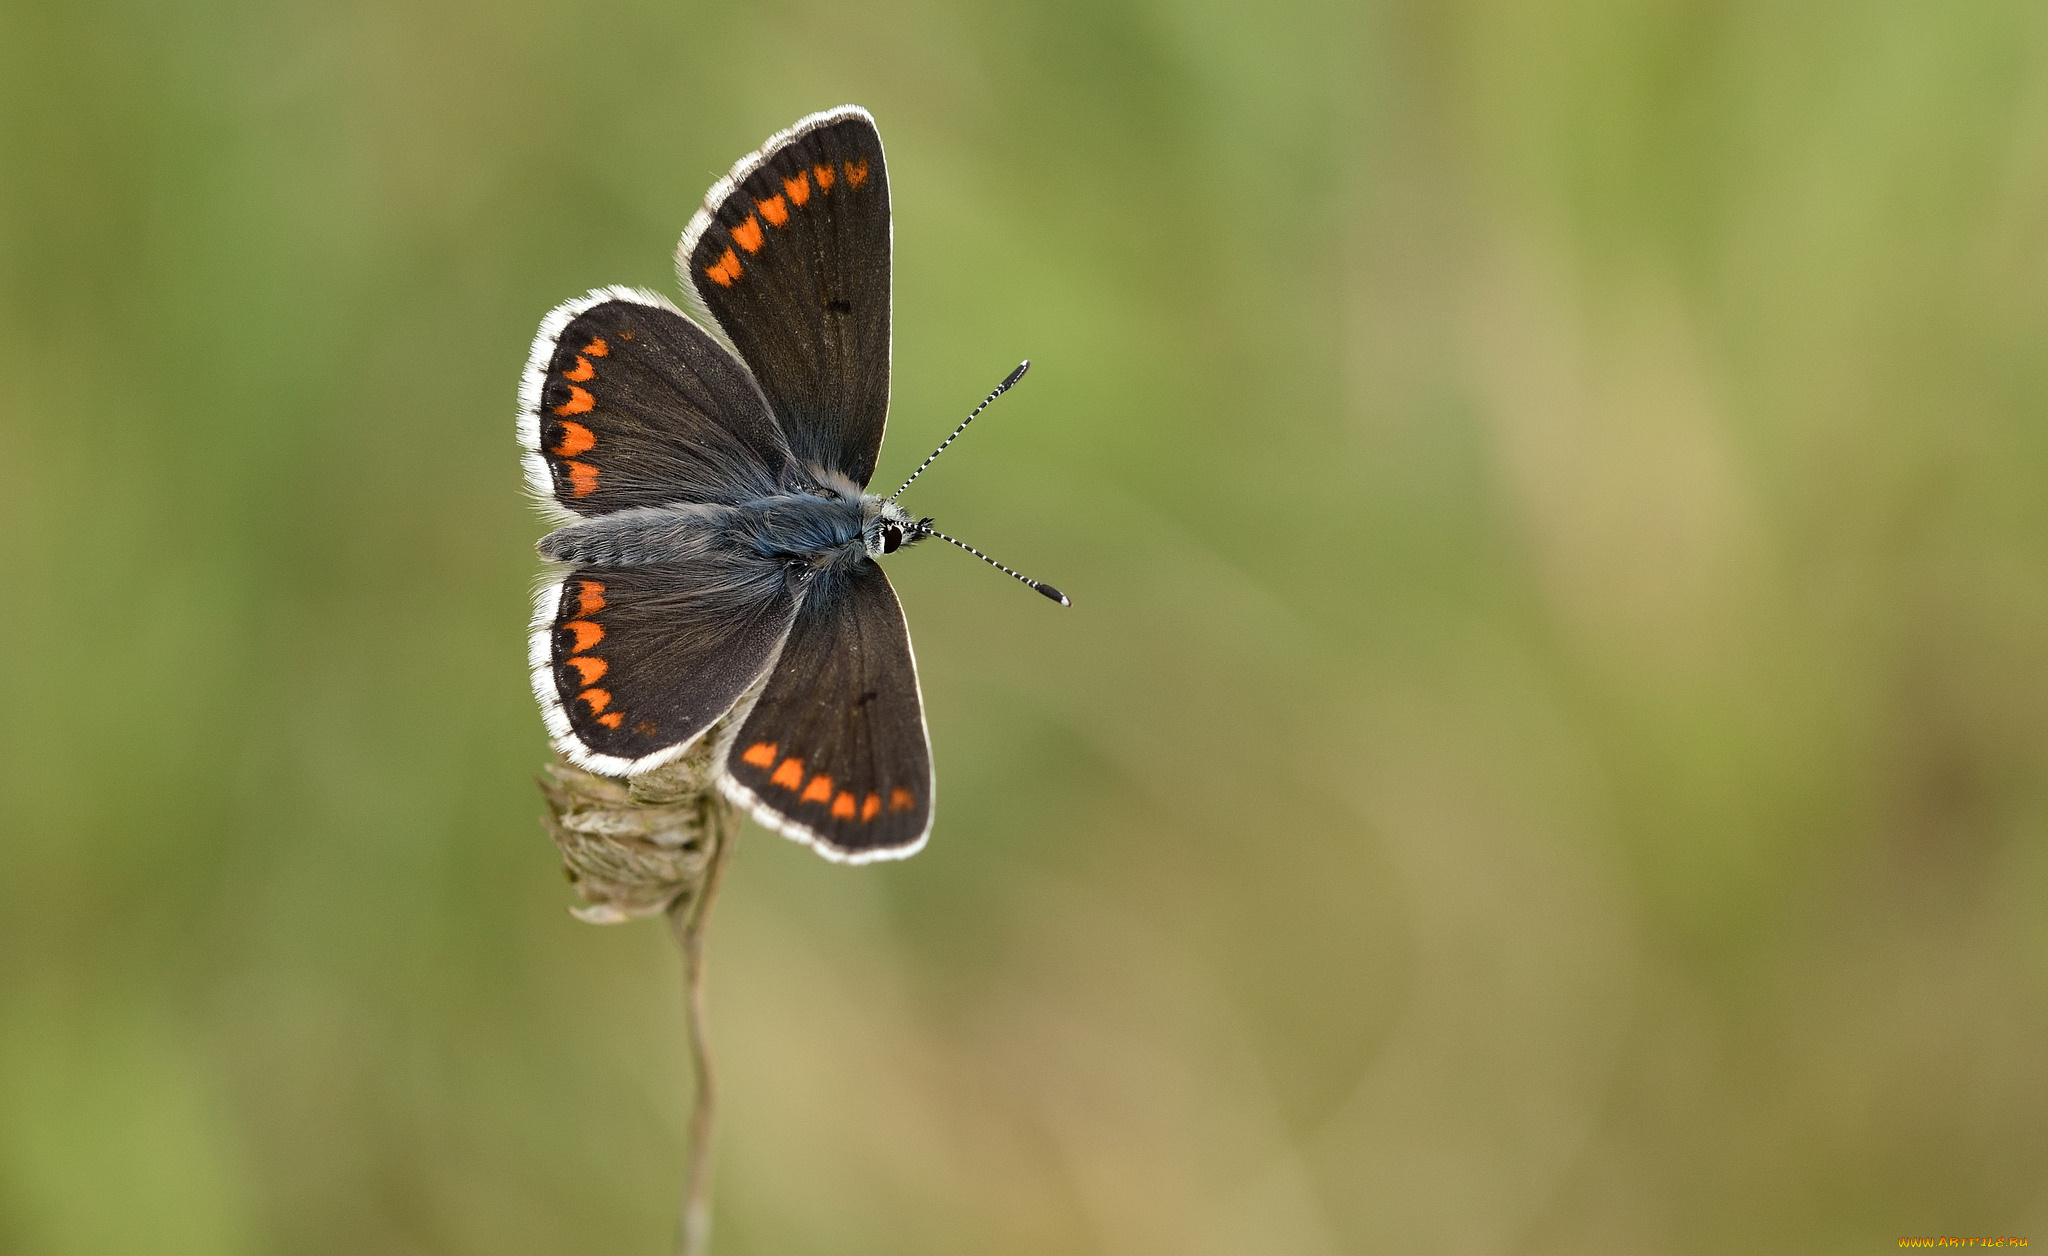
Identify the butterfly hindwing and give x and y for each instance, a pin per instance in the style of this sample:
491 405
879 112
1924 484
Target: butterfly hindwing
835 751
625 402
790 255
631 664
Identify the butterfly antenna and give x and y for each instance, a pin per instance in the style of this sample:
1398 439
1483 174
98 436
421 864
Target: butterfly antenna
1039 585
1008 382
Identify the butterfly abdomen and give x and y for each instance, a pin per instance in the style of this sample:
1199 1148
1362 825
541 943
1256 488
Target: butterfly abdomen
642 537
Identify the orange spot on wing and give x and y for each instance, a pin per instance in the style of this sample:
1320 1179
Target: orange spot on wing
614 720
598 348
870 808
856 172
588 667
576 438
901 799
582 479
598 699
587 634
773 210
824 176
748 235
761 754
589 597
799 188
725 269
582 373
819 790
789 775
579 402
842 807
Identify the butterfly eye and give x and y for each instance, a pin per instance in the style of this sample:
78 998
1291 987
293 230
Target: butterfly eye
892 538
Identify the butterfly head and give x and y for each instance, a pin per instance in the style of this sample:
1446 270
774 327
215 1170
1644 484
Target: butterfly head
887 527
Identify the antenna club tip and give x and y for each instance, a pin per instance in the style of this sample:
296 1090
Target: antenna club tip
1017 374
1051 592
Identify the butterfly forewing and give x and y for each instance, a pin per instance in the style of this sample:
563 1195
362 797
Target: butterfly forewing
791 255
627 403
835 752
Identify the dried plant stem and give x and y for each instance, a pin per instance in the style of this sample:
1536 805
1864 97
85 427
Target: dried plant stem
656 844
686 918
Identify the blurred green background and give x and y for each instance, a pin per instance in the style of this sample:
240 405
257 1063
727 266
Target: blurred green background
1547 757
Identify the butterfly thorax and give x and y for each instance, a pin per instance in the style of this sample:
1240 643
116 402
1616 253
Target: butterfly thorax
828 527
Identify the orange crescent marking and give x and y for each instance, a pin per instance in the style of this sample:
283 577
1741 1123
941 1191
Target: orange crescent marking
597 698
773 210
582 479
576 438
589 597
579 402
761 754
588 667
748 235
856 172
587 634
870 808
598 348
583 372
901 799
789 775
824 176
819 790
842 807
799 188
613 720
725 269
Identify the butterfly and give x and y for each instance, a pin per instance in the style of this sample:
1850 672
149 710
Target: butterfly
718 549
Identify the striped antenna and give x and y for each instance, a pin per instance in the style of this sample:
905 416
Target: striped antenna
1008 381
1040 585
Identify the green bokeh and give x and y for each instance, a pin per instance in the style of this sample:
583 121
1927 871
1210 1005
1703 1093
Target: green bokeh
1550 752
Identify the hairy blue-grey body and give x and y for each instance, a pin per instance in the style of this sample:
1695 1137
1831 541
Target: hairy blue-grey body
794 536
